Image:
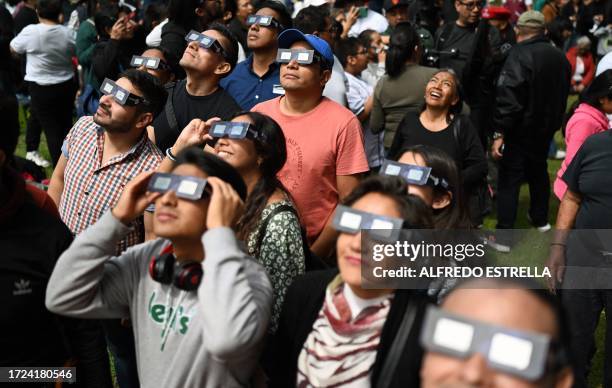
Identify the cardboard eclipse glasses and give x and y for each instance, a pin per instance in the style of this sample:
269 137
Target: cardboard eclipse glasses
301 56
413 175
519 353
186 187
235 130
205 41
349 220
265 21
122 96
149 62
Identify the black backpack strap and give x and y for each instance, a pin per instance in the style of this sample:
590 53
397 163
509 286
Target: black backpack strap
170 114
397 348
312 262
456 127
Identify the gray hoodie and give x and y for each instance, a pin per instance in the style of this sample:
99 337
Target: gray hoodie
209 338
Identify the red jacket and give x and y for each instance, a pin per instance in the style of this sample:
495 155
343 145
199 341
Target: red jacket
589 65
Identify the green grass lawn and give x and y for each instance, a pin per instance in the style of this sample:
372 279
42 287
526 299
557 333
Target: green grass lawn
525 251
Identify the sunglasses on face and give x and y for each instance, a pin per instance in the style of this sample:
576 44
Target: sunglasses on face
235 130
471 5
206 42
515 352
149 62
413 175
264 21
186 187
303 57
119 94
349 220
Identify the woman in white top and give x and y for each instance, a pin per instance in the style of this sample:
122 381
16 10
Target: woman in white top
49 48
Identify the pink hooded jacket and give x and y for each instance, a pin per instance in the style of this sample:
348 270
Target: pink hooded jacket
585 121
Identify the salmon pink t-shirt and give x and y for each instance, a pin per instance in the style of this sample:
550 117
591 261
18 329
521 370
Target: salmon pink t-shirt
321 144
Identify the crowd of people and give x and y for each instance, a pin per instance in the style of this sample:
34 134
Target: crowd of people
203 152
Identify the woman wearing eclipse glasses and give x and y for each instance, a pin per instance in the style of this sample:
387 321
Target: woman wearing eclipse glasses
254 145
199 306
333 332
437 184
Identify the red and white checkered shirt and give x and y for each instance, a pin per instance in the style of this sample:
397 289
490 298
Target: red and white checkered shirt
91 188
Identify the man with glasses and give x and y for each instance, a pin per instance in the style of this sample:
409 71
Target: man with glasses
471 47
209 57
325 152
353 55
317 21
256 79
100 155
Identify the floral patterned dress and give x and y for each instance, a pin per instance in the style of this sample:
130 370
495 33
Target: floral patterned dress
281 252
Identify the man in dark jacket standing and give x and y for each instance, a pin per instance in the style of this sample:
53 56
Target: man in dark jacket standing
531 98
472 48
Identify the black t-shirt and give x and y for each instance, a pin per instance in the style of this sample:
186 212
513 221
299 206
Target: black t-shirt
411 131
187 107
589 175
465 149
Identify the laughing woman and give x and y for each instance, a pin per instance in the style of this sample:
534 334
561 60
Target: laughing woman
441 125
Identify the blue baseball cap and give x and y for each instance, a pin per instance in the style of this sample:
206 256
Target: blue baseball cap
292 35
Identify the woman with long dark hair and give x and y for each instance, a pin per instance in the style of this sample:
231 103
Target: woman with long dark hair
270 225
401 90
441 125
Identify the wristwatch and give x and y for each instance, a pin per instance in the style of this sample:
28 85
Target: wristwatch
497 135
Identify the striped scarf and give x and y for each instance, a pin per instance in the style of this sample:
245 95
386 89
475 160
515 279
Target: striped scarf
341 351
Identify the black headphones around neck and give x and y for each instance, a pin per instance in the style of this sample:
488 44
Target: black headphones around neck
166 269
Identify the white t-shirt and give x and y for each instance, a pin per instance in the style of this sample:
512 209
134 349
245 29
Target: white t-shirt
357 94
605 64
373 21
154 37
49 50
335 88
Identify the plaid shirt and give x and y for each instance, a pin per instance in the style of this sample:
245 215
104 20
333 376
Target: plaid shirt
92 188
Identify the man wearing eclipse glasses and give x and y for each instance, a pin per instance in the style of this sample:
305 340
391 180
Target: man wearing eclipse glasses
100 155
501 334
256 79
210 56
325 152
199 305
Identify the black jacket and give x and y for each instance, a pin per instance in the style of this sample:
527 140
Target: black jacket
112 57
173 42
532 93
303 302
31 241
